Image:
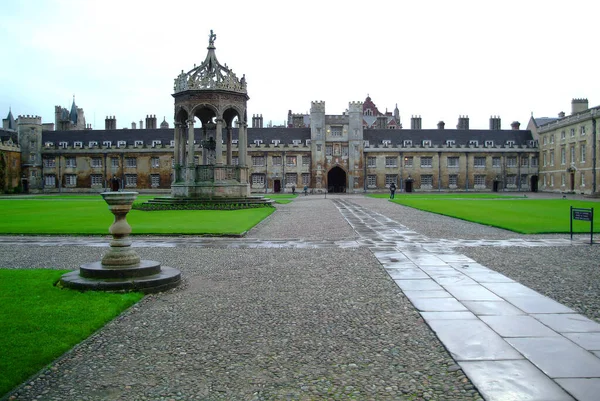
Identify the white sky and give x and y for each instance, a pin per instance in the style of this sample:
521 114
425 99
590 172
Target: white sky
436 59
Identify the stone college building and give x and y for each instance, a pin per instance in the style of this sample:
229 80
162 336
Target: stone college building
360 150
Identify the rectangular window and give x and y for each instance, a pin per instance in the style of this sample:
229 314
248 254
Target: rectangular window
524 161
131 180
258 180
450 142
426 142
426 161
306 160
408 161
582 156
496 162
563 155
305 178
50 181
391 179
563 179
551 180
552 157
155 180
121 144
480 180
582 179
291 178
70 180
258 161
96 180
96 162
70 162
511 180
523 182
50 163
155 162
328 150
290 161
572 154
453 180
427 181
276 160
407 143
489 144
391 161
572 132
336 130
552 138
582 130
130 162
453 162
563 134
318 147
371 161
473 143
511 161
235 160
196 160
479 162
372 181
534 161
114 162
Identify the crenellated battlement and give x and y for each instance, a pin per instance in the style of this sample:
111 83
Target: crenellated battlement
30 120
579 100
317 106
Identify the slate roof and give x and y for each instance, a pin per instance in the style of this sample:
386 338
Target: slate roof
6 135
544 120
439 137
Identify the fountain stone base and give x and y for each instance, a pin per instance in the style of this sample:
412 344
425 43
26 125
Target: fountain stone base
121 268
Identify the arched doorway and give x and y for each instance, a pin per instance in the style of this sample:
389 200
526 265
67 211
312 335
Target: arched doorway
534 183
336 180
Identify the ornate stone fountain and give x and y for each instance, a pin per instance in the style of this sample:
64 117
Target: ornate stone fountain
121 268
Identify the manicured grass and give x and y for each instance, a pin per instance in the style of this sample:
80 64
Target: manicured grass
39 322
89 215
527 216
420 195
282 198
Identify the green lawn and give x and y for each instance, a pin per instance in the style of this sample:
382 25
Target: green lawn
281 198
432 195
89 215
39 322
527 216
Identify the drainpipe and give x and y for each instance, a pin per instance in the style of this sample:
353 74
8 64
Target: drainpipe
439 171
593 152
467 173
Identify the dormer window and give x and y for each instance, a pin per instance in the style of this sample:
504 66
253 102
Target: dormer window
450 142
406 143
234 141
366 144
473 143
121 144
138 143
78 144
49 144
296 142
63 145
257 142
308 142
510 144
531 143
489 144
172 143
156 143
107 144
275 142
426 142
93 144
386 143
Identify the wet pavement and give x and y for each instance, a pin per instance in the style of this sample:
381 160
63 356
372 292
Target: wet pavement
512 342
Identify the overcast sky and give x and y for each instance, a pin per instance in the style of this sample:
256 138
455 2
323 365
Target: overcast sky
436 59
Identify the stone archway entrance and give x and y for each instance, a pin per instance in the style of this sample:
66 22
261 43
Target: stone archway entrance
336 180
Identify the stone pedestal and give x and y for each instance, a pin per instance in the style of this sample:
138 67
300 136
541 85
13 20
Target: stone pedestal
121 268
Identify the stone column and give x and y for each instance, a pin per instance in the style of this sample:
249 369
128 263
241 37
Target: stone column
204 150
242 144
219 144
228 145
191 169
177 151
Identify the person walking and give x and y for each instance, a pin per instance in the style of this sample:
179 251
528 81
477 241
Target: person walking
392 190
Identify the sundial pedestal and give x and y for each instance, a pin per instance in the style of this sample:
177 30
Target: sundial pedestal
121 268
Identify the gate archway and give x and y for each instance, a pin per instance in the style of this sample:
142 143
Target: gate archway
336 180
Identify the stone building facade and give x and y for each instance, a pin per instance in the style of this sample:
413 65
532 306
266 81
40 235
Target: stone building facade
569 150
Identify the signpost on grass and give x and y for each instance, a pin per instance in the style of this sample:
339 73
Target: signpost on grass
583 214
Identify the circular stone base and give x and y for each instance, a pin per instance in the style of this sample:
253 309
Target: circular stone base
98 270
167 278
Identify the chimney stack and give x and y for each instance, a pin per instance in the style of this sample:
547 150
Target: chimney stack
463 122
515 125
133 125
110 122
415 122
441 125
578 105
495 123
